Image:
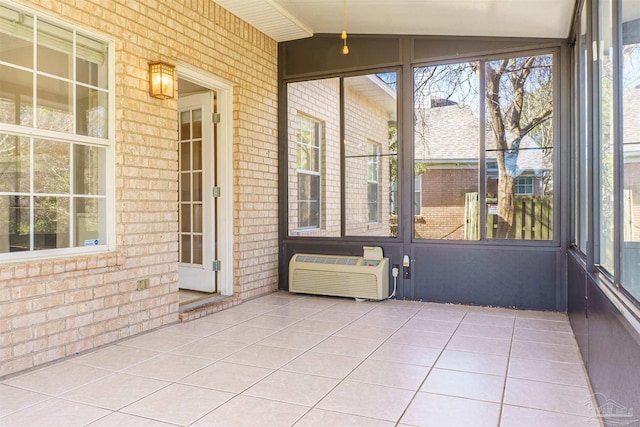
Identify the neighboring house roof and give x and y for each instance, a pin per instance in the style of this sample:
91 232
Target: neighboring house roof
378 91
449 134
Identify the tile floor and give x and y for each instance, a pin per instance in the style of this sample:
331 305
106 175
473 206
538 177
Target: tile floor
287 359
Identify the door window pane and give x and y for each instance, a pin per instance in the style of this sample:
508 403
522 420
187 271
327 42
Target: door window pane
519 143
446 150
631 146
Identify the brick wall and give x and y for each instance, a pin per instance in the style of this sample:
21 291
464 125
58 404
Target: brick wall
442 214
57 307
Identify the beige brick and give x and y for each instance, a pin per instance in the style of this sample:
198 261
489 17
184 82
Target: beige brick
60 312
49 355
49 328
27 320
62 338
53 300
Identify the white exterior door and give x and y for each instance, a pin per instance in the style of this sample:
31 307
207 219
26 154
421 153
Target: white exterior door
197 213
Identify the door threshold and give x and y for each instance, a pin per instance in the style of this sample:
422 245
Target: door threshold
200 302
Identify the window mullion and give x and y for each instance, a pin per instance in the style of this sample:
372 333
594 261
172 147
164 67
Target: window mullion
482 161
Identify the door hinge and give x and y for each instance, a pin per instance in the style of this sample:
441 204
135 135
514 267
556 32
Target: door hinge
215 118
216 265
215 192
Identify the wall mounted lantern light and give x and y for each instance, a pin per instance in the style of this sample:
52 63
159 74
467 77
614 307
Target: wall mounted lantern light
161 80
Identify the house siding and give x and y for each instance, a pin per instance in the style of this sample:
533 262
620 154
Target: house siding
57 307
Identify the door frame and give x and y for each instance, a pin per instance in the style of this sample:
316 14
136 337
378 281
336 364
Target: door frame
224 169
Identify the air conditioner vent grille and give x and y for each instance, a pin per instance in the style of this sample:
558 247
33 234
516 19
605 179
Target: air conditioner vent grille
327 260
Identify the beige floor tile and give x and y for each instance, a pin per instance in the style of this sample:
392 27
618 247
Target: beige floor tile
380 321
418 338
245 411
228 377
389 374
315 327
292 387
492 311
295 311
480 363
233 316
365 332
199 328
388 309
479 345
544 325
211 348
543 315
483 331
245 334
544 351
268 321
118 419
58 378
469 385
434 410
408 354
13 399
514 416
367 400
294 340
280 298
548 371
341 318
250 307
115 357
346 346
349 305
322 418
480 318
316 301
161 340
263 356
168 367
431 325
54 413
547 337
115 391
549 397
178 404
323 364
442 314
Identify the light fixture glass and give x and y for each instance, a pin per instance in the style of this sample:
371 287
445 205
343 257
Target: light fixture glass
161 80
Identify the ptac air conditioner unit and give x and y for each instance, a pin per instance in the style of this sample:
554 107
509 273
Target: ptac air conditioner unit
344 276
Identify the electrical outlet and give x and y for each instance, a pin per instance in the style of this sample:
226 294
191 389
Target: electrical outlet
143 284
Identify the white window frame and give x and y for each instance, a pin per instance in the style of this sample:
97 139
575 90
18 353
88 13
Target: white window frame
373 160
522 182
72 139
317 126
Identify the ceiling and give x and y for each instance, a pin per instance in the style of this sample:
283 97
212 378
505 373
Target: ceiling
285 20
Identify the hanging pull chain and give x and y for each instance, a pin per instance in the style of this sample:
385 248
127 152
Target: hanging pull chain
345 48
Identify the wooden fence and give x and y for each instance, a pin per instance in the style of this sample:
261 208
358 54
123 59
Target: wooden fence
533 219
